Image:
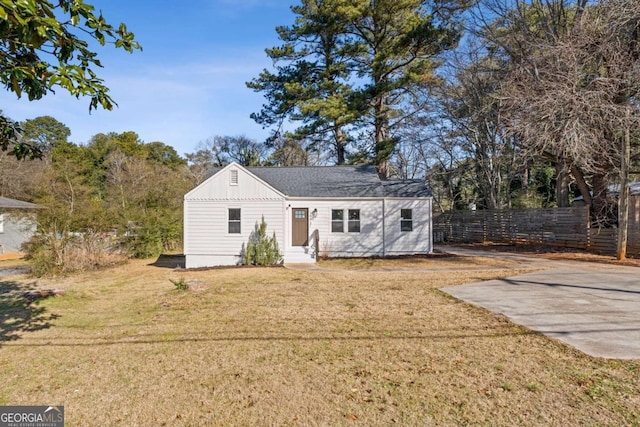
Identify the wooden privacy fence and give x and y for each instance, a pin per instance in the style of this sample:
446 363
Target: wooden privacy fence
565 227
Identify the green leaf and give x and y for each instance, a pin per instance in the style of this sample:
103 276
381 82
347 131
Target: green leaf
46 47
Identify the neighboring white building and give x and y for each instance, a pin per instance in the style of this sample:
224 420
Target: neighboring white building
336 211
16 226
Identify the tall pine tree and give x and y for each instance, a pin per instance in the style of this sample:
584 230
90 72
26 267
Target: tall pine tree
346 63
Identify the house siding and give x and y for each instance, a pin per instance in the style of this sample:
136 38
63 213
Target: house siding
15 230
207 236
207 241
368 242
417 241
219 187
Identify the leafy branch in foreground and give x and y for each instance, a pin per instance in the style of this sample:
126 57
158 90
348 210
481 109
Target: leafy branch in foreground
43 46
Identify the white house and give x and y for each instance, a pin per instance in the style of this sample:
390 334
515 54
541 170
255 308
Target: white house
16 226
337 211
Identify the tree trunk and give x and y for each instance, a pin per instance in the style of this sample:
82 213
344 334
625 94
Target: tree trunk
582 185
562 184
384 145
525 178
600 212
339 144
623 210
384 169
488 176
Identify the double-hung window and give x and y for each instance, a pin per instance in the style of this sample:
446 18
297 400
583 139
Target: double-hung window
406 220
354 221
337 221
234 221
338 218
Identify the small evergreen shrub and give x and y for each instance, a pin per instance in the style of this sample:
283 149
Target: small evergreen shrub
262 249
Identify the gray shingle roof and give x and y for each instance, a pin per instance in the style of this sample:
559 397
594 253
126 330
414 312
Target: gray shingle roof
336 181
7 203
406 188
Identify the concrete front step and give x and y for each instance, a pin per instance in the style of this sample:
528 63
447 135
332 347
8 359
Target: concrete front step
298 257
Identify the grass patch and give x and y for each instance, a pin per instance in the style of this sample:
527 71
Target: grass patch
432 261
13 263
180 284
266 346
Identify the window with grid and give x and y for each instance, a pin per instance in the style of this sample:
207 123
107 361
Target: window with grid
354 221
337 221
234 221
406 220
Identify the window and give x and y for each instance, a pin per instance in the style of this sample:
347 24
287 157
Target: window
337 221
354 220
234 221
233 178
406 220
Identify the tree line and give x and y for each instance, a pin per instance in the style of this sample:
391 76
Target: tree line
495 103
113 197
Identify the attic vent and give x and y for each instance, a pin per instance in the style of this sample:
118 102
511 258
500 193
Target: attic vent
234 177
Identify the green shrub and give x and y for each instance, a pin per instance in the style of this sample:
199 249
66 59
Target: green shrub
180 284
153 237
261 249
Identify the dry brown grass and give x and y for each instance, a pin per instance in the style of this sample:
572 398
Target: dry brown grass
287 347
552 252
418 262
52 254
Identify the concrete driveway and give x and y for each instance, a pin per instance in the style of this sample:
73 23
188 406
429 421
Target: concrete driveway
591 306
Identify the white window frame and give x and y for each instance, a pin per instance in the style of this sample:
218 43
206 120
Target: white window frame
234 221
337 221
353 221
404 221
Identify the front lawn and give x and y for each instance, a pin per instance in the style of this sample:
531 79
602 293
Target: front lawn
273 346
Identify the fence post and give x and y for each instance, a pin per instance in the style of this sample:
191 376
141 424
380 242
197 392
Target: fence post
588 227
484 228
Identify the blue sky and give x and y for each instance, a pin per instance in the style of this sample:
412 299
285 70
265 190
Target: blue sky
188 83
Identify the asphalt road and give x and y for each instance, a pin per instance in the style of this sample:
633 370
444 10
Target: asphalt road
593 307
